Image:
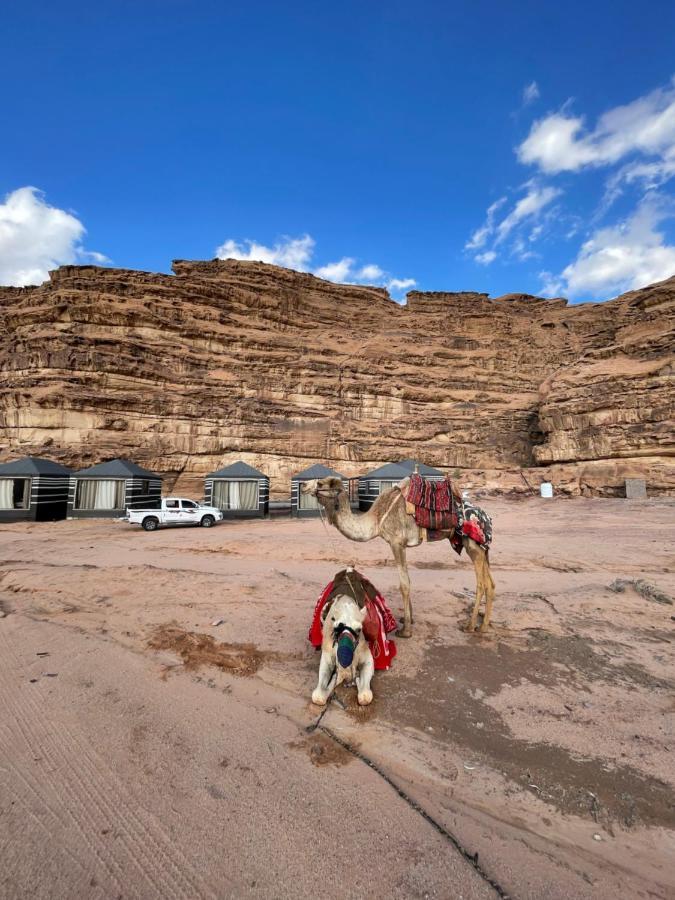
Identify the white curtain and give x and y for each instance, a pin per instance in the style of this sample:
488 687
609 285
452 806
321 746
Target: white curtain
7 493
105 493
387 486
219 495
235 494
248 494
306 501
86 494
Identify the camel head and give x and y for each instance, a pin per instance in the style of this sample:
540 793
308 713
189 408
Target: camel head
326 491
323 488
342 627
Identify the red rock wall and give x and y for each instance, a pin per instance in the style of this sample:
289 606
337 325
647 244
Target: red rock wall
230 360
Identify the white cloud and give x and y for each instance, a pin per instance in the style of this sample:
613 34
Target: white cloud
93 256
480 236
345 271
293 253
551 285
522 250
650 176
527 207
298 253
622 257
340 271
636 143
371 272
530 93
36 237
400 284
560 142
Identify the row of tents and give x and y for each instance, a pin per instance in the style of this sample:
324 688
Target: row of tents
40 489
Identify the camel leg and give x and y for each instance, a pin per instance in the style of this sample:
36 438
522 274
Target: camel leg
489 592
475 553
363 679
404 581
327 677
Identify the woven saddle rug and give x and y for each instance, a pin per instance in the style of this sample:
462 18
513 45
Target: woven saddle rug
440 512
355 585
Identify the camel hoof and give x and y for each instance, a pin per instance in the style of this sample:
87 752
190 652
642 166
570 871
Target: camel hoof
484 628
404 632
365 698
318 699
470 627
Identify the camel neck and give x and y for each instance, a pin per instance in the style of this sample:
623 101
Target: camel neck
362 527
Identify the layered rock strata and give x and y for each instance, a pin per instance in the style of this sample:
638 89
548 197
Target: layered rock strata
228 360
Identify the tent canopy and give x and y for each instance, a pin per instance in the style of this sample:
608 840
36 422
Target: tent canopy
32 465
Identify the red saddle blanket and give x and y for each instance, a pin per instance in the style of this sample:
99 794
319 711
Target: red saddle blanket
435 505
443 514
382 648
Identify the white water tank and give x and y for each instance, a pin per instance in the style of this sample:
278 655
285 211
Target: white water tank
546 489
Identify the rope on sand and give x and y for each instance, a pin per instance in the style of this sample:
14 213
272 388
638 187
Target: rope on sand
472 858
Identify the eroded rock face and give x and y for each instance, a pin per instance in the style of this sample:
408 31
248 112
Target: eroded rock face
230 360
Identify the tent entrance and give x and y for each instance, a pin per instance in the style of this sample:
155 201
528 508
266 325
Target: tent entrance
100 494
15 493
230 494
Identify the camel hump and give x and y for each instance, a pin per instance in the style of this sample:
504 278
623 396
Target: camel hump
456 493
351 583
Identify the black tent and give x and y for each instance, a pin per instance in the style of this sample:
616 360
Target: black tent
239 490
108 489
33 489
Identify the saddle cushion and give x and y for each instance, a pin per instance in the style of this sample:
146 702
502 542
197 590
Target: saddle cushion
378 622
435 506
441 512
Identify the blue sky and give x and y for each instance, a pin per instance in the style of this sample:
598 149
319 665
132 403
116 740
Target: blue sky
362 141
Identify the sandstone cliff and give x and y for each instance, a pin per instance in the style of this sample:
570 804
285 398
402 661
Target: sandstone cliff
226 360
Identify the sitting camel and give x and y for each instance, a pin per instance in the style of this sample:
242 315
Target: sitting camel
387 519
345 654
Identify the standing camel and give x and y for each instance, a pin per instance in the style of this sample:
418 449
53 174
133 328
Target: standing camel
387 519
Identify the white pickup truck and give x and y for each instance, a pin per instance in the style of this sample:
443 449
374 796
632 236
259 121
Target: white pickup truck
175 511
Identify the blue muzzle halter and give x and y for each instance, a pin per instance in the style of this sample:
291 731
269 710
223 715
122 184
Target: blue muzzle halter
347 639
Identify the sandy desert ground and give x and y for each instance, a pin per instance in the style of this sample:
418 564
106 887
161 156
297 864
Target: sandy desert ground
145 752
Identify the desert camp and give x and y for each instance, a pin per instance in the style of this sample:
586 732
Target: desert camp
337 451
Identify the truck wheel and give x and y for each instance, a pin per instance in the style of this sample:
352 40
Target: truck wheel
150 523
207 521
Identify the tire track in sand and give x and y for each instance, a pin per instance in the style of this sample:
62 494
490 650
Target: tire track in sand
90 796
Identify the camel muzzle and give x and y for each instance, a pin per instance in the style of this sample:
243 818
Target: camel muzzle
347 639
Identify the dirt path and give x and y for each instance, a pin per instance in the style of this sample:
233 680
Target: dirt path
150 753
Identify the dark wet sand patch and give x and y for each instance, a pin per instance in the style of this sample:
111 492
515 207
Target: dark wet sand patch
446 698
322 750
196 650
